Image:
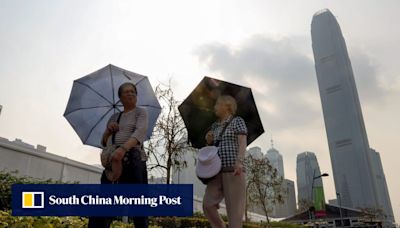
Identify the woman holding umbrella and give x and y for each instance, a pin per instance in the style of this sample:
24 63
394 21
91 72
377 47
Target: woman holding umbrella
129 159
230 182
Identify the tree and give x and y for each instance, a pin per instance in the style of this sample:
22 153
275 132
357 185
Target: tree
264 185
373 214
169 140
304 205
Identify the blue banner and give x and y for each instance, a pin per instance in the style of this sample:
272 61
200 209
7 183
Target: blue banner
102 200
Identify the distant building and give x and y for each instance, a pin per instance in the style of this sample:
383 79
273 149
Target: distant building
23 144
307 168
382 190
36 162
276 160
288 208
255 152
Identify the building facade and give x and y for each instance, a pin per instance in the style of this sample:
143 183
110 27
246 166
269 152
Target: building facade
352 162
306 169
27 160
384 202
288 207
276 160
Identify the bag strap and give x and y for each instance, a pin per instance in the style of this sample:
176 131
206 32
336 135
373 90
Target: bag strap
218 141
113 135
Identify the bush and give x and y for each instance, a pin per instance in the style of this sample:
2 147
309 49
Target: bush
8 179
6 220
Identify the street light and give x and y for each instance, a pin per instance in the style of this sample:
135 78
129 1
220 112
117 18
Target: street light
312 185
339 198
322 175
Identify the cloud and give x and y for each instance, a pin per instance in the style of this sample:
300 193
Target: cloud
367 77
282 75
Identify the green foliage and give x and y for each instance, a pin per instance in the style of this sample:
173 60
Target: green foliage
7 220
199 221
8 179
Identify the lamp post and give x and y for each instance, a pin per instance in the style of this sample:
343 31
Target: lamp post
312 186
339 198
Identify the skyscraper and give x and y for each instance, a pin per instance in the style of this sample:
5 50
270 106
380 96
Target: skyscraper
276 160
255 152
306 169
382 190
352 161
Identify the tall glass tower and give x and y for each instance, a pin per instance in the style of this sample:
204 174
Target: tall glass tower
276 160
352 161
306 169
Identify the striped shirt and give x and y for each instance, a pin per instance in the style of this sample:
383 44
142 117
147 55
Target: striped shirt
133 124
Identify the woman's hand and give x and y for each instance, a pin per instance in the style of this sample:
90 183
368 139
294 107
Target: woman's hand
118 154
242 140
238 168
112 127
210 138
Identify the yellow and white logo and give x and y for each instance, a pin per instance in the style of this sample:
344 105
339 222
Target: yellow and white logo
32 199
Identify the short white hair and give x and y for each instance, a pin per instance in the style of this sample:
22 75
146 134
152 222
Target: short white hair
230 102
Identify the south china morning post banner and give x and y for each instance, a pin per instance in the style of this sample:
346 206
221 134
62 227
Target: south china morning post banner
102 200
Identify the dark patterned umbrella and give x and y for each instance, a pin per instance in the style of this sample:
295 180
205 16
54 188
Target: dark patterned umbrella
197 110
94 98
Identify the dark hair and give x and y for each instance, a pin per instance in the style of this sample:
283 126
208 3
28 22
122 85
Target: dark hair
121 87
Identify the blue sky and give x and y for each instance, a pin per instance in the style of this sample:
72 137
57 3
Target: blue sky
45 45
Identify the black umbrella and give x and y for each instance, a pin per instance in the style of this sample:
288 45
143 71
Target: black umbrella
197 110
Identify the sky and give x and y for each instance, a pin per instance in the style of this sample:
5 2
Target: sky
265 45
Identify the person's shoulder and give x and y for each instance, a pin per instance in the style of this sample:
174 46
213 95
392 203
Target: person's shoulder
141 110
238 119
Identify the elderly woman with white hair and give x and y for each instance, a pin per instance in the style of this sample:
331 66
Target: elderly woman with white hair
230 182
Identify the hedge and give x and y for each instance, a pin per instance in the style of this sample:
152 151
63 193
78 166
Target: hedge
6 220
8 179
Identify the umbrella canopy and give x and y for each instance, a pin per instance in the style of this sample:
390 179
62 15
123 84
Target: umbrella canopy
197 110
94 98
